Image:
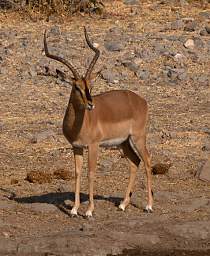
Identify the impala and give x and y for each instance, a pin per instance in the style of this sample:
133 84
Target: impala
114 118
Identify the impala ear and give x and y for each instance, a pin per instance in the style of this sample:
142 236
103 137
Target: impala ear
63 77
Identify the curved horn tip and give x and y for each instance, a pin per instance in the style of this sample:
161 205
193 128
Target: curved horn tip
96 45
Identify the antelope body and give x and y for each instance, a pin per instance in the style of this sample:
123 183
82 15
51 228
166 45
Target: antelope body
114 118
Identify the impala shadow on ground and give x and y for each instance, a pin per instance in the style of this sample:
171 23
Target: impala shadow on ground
58 199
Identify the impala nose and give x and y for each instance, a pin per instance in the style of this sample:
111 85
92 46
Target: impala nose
90 106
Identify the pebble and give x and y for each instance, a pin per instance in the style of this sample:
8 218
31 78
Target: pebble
39 137
142 74
205 14
189 44
114 46
6 235
190 26
132 66
110 76
177 25
131 2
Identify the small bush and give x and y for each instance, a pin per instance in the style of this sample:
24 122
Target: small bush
55 6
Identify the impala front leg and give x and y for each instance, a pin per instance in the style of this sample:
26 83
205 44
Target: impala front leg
78 157
92 162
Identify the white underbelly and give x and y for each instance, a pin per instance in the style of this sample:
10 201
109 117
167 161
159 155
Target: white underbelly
105 143
112 142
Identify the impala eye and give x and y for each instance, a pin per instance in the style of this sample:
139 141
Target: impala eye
79 90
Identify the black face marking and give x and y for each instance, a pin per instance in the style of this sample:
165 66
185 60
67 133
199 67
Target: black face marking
87 93
130 194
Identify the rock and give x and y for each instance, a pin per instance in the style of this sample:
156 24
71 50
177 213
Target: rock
68 202
189 44
39 137
6 234
3 70
198 42
131 2
55 31
176 74
203 32
9 49
142 74
190 26
32 71
161 49
205 14
110 76
183 3
177 25
145 54
205 171
114 46
179 57
206 147
114 31
132 66
24 42
182 76
206 130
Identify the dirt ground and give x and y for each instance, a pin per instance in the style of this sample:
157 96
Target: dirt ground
143 48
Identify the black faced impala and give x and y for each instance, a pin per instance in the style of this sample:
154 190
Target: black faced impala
114 118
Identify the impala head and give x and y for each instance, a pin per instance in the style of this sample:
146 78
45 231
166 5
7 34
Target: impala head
81 85
82 93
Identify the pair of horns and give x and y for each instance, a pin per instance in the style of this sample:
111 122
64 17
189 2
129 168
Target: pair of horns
68 64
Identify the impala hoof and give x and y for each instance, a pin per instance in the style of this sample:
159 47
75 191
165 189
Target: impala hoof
88 214
148 209
74 213
122 207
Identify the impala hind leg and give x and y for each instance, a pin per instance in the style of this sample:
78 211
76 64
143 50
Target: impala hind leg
140 146
134 163
92 163
78 158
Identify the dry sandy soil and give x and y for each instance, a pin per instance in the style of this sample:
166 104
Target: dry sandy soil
142 49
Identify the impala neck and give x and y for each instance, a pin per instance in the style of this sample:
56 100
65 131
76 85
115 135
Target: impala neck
74 115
